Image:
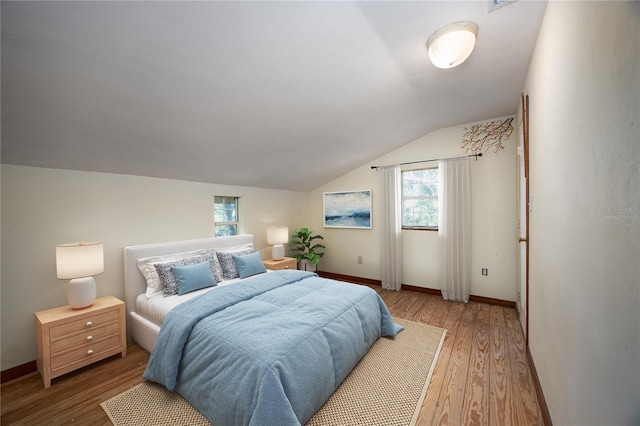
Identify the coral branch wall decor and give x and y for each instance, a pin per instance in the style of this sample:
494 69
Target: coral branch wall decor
487 136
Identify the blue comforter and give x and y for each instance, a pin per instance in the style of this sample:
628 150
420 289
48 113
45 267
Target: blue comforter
268 351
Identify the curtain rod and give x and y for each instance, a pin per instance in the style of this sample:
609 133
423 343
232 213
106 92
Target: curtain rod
426 161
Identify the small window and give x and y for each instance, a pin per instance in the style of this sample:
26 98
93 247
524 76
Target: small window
225 212
420 199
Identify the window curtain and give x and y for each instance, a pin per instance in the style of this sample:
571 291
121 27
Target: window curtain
454 229
391 227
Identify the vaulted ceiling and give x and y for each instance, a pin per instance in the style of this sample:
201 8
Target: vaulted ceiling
285 95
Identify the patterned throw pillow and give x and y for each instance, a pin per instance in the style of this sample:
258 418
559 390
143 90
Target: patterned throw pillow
148 269
169 281
229 270
215 266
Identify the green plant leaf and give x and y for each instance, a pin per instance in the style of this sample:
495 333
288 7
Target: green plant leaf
301 246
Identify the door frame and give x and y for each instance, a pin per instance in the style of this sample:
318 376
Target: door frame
527 208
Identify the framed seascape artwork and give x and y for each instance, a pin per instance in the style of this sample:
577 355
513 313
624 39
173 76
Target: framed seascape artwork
349 209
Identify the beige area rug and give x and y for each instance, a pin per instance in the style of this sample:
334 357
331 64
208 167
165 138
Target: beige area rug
387 387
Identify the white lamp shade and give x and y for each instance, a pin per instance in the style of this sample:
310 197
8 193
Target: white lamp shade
278 235
451 45
77 260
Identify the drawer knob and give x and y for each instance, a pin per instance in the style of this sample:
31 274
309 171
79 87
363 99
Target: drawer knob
90 352
89 323
89 337
286 267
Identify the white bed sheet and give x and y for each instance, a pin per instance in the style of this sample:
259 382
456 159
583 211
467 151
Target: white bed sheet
157 307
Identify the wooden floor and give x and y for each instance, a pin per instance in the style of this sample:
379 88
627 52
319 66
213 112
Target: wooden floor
481 376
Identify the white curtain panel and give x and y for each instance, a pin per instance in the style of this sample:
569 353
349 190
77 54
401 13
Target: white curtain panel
454 229
391 229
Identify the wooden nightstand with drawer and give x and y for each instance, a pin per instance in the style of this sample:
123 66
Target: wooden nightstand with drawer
68 339
284 263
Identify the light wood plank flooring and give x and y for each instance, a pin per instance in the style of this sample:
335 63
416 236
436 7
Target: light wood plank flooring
481 377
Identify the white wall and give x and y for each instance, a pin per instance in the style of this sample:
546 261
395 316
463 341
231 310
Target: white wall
493 192
584 306
45 207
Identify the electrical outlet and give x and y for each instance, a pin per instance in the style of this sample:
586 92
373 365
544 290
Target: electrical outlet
519 296
485 271
360 260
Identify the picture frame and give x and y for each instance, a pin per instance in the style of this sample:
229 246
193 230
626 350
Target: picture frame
347 209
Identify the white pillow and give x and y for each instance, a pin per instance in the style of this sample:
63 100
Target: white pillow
148 270
234 248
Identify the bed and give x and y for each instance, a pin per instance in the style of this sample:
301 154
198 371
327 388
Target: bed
140 329
267 349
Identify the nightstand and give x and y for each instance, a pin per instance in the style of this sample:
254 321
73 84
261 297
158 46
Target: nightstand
284 263
68 339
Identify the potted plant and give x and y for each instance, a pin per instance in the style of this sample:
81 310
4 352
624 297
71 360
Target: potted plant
304 249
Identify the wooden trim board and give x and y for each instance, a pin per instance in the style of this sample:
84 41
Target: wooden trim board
546 416
369 281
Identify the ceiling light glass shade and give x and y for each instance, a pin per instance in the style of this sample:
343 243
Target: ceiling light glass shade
277 235
452 44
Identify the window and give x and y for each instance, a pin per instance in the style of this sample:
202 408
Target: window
225 216
420 199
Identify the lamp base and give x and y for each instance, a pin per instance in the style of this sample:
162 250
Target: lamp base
277 252
81 292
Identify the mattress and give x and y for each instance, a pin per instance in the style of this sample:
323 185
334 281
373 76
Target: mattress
156 308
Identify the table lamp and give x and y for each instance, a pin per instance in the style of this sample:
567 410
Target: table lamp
78 262
277 235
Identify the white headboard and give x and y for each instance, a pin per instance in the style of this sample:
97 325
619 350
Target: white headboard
134 282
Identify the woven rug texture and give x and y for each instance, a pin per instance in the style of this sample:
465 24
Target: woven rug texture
387 387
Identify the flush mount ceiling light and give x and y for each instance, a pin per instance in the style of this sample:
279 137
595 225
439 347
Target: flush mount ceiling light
452 44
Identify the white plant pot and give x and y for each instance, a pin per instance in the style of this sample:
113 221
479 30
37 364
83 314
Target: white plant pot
307 265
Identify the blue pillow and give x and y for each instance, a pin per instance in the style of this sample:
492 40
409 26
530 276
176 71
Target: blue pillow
225 258
193 277
249 264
